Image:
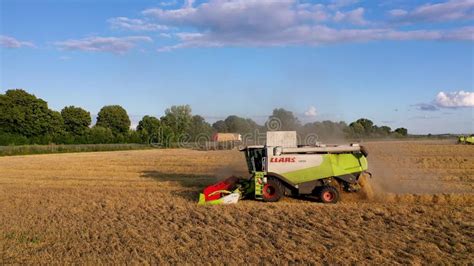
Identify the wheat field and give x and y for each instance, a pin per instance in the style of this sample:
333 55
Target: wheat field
140 207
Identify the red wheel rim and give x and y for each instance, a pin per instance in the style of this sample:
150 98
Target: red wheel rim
328 196
269 191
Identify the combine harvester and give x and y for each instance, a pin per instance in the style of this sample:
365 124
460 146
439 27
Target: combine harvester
466 139
282 168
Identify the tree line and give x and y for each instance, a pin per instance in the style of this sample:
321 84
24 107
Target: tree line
26 119
285 120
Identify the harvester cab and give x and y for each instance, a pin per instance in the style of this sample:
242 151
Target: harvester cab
284 168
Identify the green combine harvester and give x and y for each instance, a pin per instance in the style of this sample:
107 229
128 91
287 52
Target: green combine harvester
466 139
283 168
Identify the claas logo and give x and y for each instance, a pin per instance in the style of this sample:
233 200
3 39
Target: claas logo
283 160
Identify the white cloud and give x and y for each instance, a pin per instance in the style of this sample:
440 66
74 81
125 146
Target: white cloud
311 112
234 15
10 42
117 45
135 24
463 34
355 16
446 11
455 99
257 23
312 12
312 35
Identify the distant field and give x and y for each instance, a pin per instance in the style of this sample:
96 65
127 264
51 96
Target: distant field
139 207
45 149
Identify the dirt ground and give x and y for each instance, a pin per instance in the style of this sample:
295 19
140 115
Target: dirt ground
140 207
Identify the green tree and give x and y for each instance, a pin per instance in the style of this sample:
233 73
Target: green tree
23 114
240 125
56 125
402 131
178 119
199 127
167 136
149 129
384 131
76 120
220 126
325 130
115 118
286 119
357 129
367 124
134 137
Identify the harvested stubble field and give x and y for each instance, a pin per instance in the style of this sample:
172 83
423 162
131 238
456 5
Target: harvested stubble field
140 207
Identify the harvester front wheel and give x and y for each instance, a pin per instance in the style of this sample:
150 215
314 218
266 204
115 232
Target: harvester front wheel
329 194
272 191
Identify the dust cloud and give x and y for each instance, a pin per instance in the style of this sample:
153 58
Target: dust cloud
413 172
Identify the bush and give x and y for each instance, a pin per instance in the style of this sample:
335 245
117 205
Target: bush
98 135
66 138
133 137
7 139
45 149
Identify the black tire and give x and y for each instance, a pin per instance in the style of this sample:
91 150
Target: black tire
328 195
272 190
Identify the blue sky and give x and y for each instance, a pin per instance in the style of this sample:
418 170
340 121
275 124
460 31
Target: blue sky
399 63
